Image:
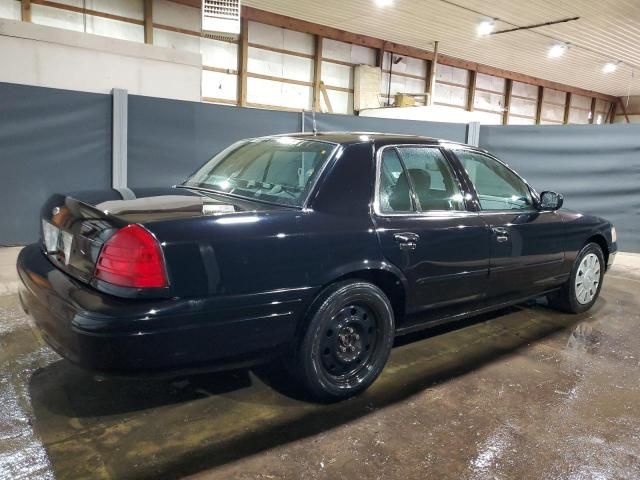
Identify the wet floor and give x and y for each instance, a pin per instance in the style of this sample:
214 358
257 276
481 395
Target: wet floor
523 393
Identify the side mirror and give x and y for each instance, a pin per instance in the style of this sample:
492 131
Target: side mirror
551 201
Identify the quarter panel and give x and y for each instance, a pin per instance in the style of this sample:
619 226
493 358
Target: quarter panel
262 251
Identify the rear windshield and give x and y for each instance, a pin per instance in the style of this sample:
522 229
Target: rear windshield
279 170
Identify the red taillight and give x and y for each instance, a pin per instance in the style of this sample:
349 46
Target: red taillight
132 258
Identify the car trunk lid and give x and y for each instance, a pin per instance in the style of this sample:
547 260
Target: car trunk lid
75 227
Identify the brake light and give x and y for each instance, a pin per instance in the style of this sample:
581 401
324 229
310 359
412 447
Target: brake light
132 258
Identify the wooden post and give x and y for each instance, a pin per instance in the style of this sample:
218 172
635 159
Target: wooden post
473 75
317 74
567 108
611 115
508 86
624 110
325 95
539 105
380 57
433 73
148 21
26 10
427 81
592 119
243 51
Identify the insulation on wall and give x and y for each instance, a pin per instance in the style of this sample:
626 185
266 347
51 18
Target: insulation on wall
489 95
408 75
280 67
178 16
580 110
280 38
451 87
261 92
68 20
218 87
219 71
10 9
553 105
602 111
339 58
524 104
275 64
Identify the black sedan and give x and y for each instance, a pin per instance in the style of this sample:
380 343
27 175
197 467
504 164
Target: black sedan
318 247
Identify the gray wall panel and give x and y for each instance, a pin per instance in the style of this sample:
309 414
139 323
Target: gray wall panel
326 122
595 167
50 141
169 139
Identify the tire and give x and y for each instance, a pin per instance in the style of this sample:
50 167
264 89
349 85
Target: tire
347 341
583 288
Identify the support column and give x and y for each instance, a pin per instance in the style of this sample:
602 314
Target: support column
473 134
567 108
26 10
243 58
148 21
317 74
119 139
433 74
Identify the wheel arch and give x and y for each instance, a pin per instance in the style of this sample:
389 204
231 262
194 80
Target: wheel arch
383 275
599 240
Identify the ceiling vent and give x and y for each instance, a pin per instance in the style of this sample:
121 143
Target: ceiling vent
221 19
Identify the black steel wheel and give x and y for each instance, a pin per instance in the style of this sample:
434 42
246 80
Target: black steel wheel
347 341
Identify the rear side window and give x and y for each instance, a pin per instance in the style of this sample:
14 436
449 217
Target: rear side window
394 191
432 179
498 187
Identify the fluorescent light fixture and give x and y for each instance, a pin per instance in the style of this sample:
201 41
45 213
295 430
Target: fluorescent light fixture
384 3
557 50
485 28
610 67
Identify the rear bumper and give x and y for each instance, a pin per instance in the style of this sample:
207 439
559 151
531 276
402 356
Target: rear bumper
130 336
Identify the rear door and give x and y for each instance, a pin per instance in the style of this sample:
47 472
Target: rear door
425 229
527 245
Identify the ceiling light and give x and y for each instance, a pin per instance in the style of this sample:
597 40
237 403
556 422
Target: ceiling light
610 67
486 28
384 3
557 50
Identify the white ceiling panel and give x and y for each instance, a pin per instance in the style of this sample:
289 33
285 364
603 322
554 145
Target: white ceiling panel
608 30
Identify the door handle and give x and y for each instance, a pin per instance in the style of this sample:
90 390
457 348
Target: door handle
407 240
501 233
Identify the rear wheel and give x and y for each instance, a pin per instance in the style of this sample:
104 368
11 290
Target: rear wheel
583 288
347 341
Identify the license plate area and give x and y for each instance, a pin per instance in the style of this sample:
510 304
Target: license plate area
56 241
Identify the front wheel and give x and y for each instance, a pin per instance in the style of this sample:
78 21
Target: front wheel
347 341
583 288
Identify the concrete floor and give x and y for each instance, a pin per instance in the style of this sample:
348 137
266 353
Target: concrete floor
523 393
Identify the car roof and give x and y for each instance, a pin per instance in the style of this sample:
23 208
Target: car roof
344 138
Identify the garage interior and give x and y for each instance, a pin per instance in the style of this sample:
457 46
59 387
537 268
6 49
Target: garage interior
129 94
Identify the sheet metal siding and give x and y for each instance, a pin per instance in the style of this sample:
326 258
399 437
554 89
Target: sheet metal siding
596 168
51 141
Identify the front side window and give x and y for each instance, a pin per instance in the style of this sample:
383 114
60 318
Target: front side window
280 170
498 188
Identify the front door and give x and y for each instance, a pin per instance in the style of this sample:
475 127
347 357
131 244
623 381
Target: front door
527 245
425 229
